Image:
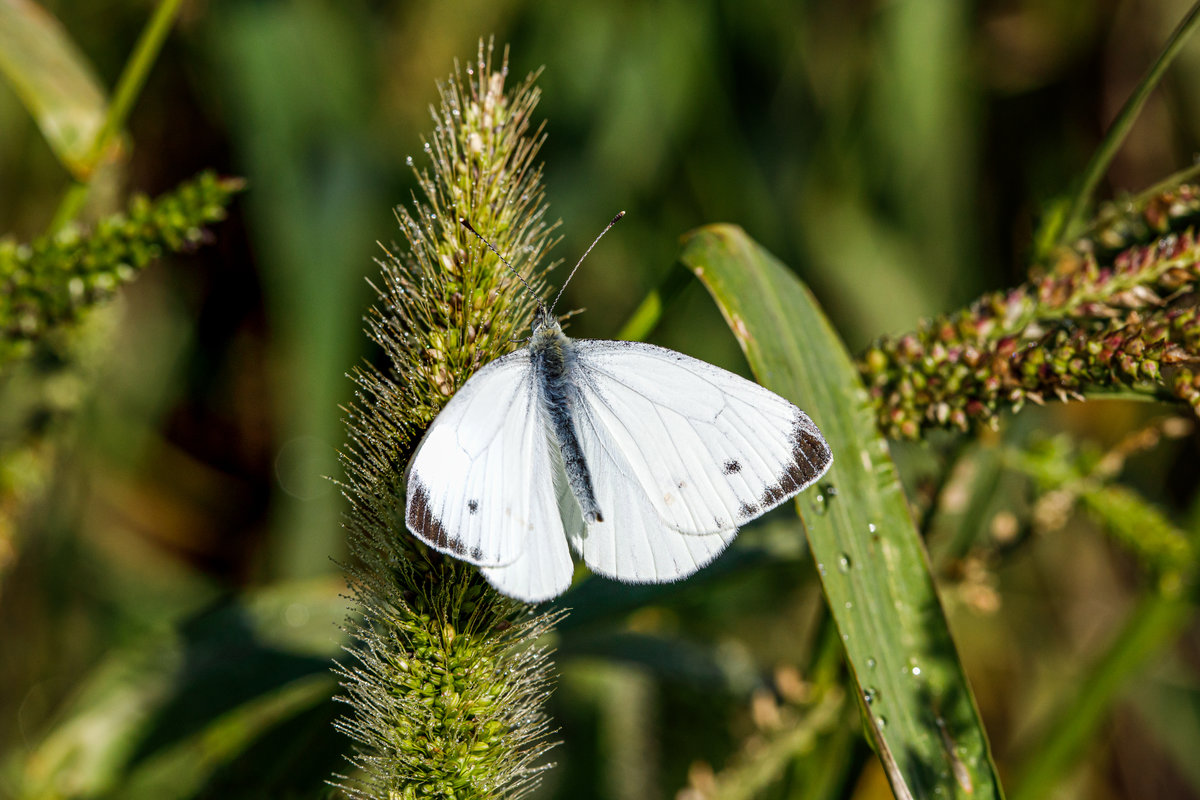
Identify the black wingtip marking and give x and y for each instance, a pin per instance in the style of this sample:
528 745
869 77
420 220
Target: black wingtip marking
748 511
425 525
732 467
472 506
810 459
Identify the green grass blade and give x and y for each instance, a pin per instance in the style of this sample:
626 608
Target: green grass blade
1158 620
646 316
921 715
1073 221
54 80
129 87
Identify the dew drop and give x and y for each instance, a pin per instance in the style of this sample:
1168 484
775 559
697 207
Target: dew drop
869 695
428 147
844 563
871 527
408 160
916 671
820 506
870 663
849 605
881 722
821 567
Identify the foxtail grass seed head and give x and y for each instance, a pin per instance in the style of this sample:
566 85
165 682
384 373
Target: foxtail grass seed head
444 682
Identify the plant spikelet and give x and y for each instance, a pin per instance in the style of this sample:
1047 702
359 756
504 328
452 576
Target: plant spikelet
1115 312
444 683
46 285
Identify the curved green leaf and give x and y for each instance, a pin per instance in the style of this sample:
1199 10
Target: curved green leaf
54 80
874 571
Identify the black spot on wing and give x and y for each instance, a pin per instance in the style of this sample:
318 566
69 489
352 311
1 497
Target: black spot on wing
472 506
810 458
748 511
732 467
426 526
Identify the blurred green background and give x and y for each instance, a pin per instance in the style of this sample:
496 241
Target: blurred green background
169 592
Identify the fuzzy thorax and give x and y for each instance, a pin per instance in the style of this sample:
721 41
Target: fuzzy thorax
553 358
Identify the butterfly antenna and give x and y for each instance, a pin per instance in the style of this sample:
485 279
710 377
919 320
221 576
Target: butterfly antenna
504 261
585 255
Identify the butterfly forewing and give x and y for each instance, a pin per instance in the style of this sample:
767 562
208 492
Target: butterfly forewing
481 485
710 450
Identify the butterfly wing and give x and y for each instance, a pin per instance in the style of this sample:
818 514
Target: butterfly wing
632 543
709 450
481 485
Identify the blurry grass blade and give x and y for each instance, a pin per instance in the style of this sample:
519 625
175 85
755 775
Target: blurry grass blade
752 773
979 476
53 79
134 76
1098 166
129 87
1141 527
646 316
1168 705
231 675
191 767
313 228
874 571
1158 620
1065 475
671 659
596 603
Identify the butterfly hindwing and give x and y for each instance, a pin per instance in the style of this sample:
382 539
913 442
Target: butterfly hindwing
481 485
633 543
544 568
708 449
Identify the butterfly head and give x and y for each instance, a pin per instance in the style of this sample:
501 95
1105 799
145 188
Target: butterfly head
545 324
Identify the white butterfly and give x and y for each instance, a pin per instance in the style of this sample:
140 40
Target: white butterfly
645 460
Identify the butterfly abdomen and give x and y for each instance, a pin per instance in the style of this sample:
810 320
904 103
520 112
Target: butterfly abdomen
552 355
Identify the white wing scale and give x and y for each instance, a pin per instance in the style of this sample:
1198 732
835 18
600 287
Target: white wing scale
481 485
